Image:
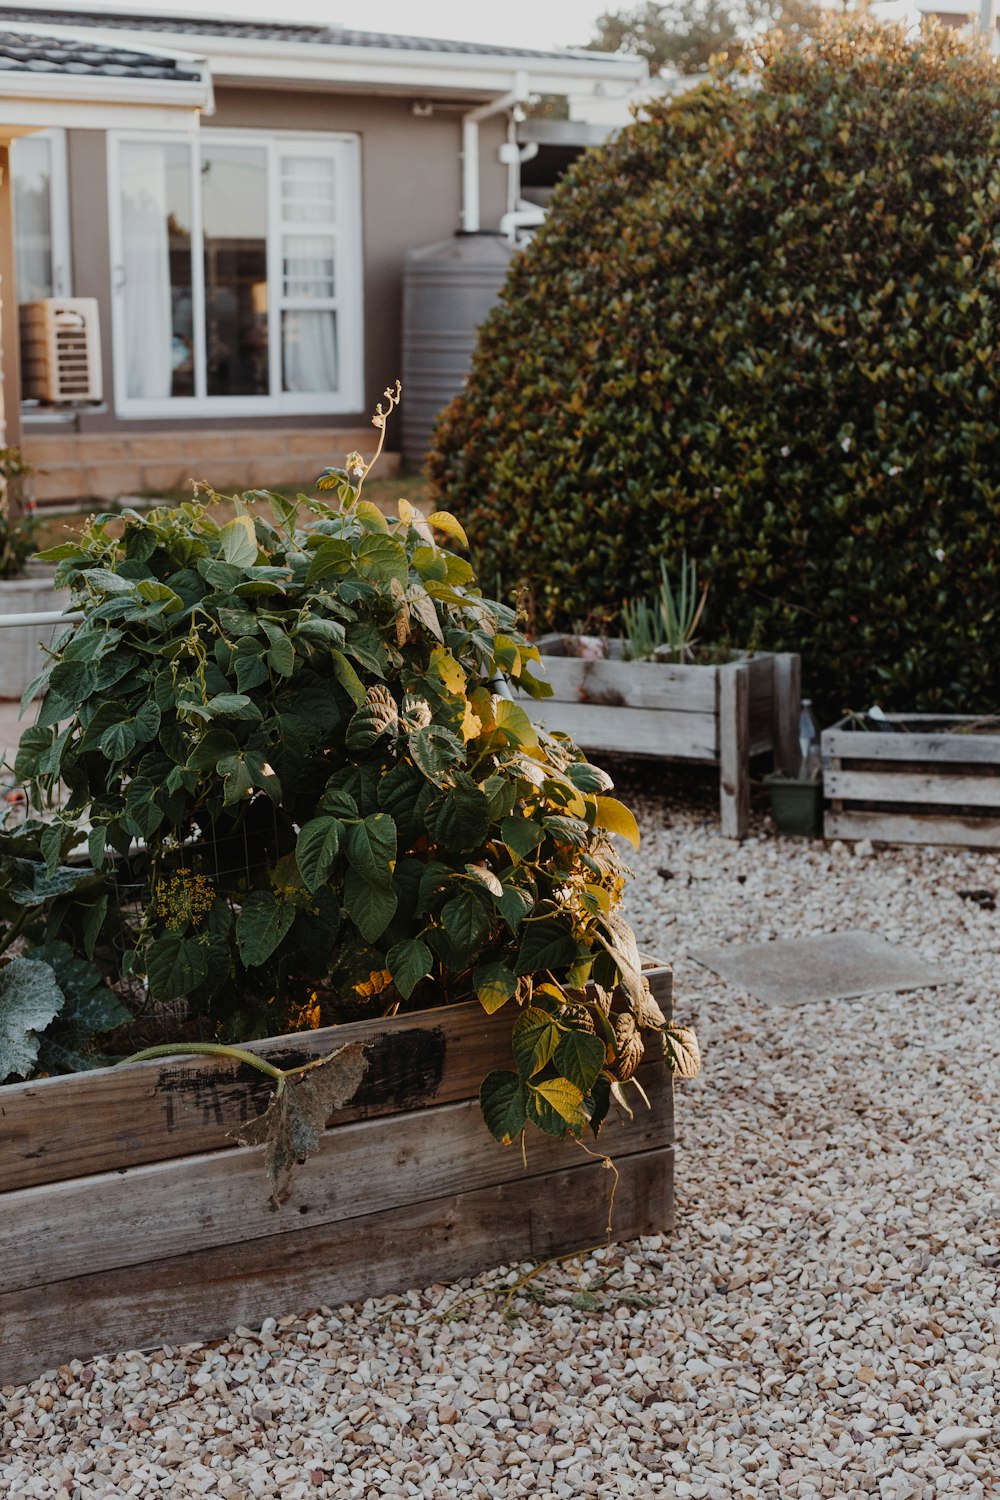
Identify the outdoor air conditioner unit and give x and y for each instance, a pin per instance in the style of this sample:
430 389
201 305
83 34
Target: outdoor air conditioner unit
60 350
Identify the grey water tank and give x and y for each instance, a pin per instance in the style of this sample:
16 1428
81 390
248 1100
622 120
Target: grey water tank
448 289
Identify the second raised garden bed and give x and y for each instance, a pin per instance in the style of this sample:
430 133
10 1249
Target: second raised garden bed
128 1219
719 714
924 779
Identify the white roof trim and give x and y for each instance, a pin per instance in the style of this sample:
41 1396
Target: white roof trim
393 67
22 116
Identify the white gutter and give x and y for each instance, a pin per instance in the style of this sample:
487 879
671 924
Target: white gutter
518 95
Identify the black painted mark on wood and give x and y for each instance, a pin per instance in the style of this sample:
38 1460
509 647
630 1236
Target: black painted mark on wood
404 1069
215 1095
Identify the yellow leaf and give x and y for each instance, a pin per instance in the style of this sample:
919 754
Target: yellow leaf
446 522
406 511
616 818
512 719
472 727
444 666
482 701
600 895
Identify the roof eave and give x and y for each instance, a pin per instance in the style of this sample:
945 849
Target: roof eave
326 62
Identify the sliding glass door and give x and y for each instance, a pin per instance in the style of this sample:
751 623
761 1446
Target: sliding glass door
237 274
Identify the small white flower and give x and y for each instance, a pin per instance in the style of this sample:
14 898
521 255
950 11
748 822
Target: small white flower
785 452
939 553
896 469
845 443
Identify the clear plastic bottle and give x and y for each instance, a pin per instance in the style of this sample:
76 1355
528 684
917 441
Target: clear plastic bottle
810 760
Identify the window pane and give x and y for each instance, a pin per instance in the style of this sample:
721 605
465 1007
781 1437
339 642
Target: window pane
307 189
31 176
234 199
309 351
308 262
156 256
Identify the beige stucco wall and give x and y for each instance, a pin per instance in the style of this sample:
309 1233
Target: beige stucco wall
411 196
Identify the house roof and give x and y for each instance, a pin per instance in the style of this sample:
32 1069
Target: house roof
267 31
27 52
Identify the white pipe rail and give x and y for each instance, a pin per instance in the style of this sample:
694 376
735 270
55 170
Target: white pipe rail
41 617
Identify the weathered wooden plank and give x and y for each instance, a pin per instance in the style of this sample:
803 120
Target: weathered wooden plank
942 748
787 712
630 731
84 1123
631 684
55 1128
899 828
912 786
48 1232
761 704
206 1294
734 749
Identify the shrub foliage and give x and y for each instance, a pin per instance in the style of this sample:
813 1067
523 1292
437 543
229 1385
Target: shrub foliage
761 325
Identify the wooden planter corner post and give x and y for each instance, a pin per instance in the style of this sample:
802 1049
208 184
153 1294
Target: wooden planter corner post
128 1220
719 715
932 784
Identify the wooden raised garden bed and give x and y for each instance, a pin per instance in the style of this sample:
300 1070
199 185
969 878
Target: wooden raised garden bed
929 780
127 1219
719 714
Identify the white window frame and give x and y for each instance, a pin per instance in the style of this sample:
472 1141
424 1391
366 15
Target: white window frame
62 263
347 303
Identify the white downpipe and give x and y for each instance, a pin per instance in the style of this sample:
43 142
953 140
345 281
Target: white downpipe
470 146
41 617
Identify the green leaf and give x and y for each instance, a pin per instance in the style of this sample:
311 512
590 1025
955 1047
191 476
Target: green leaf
466 923
382 559
370 907
261 925
370 847
556 1106
535 1038
580 1058
347 677
32 885
434 750
378 716
545 944
459 820
502 1098
175 966
316 849
494 985
588 778
238 780
96 844
146 724
90 1008
118 741
333 555
30 998
239 542
409 962
515 904
521 835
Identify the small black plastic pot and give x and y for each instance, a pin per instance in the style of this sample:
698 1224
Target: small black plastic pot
797 806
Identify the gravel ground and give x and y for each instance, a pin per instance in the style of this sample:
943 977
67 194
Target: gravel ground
823 1323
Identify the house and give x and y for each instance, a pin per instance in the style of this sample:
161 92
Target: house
244 240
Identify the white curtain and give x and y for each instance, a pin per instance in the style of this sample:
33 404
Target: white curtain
31 173
309 342
146 264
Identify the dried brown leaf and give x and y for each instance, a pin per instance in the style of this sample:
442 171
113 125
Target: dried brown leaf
295 1119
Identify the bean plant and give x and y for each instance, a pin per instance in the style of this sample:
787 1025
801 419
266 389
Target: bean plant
289 784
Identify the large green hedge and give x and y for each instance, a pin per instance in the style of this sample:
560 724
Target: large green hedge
761 326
